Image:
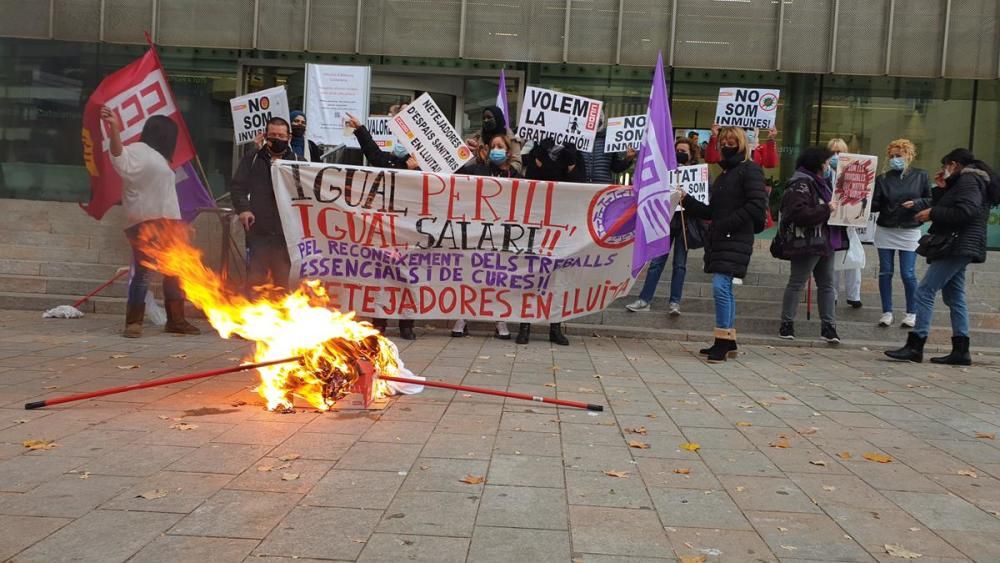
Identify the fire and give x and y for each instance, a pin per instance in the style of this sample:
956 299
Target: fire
283 325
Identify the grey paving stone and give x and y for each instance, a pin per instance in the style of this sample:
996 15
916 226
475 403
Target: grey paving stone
24 472
592 532
316 445
526 471
698 509
189 548
719 545
893 476
806 536
523 507
431 474
399 432
136 460
94 442
67 496
677 474
237 514
458 446
121 535
390 548
873 529
257 478
739 462
513 442
258 432
596 457
320 532
769 494
354 424
509 544
185 491
348 488
432 514
414 412
230 459
595 488
945 512
20 532
976 546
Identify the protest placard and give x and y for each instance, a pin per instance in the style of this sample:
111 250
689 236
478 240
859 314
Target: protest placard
252 112
691 179
564 117
378 126
853 188
624 133
429 137
749 108
331 93
420 245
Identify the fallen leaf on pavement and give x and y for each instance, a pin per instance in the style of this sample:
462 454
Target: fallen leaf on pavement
289 476
780 529
638 445
619 474
691 446
694 559
650 416
789 547
844 455
744 424
473 479
986 435
682 471
740 489
900 551
183 426
179 356
118 356
130 366
21 421
809 432
289 457
585 390
818 462
483 357
880 458
829 488
39 444
152 495
781 442
86 475
550 384
163 417
968 473
51 387
637 430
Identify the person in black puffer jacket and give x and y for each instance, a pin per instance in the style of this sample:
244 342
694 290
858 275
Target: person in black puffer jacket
958 210
737 208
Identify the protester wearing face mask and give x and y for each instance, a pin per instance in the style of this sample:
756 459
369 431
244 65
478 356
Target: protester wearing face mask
398 159
299 142
737 209
601 167
959 209
683 237
253 198
851 277
805 239
495 124
898 228
765 154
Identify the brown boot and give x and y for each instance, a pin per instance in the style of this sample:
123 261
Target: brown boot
176 322
133 320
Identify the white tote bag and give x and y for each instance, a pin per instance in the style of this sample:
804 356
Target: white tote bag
854 257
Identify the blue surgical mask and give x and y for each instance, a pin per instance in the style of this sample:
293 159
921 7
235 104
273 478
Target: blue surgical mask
834 161
751 137
498 156
828 173
897 163
399 151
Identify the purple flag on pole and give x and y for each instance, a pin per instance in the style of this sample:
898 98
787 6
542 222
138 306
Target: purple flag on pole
651 182
502 100
191 193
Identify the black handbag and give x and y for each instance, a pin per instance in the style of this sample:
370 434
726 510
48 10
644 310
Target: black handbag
934 246
792 241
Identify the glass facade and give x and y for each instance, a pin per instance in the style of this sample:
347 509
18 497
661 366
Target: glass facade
44 85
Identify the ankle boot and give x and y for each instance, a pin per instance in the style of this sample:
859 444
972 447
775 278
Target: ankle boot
380 324
913 351
406 330
556 335
725 343
730 344
959 353
176 323
523 333
133 320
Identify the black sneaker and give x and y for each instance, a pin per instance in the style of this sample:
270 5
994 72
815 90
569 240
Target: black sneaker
829 333
787 330
855 304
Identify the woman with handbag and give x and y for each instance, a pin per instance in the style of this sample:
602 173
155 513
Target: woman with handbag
808 242
958 211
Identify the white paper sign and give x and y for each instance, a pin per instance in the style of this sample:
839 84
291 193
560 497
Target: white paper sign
749 108
564 117
867 234
691 179
853 188
429 137
252 112
624 133
332 92
378 126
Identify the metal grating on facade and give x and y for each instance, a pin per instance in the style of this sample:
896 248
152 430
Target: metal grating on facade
920 38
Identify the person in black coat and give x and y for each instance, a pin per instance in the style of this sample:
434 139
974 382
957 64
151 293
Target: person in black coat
557 163
306 149
398 159
737 208
958 210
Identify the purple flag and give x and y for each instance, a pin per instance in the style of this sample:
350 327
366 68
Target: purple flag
191 193
502 100
651 182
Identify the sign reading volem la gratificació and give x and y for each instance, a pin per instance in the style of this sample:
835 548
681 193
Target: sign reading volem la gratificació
563 117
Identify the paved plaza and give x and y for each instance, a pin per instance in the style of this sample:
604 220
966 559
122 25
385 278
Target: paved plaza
784 454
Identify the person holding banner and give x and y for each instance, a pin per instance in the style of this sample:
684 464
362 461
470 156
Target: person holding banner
898 229
737 208
253 199
852 276
601 167
495 124
149 196
299 142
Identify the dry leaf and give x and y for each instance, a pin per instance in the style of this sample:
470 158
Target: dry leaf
986 435
130 366
289 476
21 421
740 489
483 357
880 458
781 442
968 473
638 445
829 488
265 468
650 416
694 559
163 417
183 426
86 475
844 455
39 444
473 479
51 387
682 471
780 529
789 547
550 384
289 457
619 474
690 446
744 424
900 551
117 356
179 356
812 430
585 390
818 462
152 495
637 430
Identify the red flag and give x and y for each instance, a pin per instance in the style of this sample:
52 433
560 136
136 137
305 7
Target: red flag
135 93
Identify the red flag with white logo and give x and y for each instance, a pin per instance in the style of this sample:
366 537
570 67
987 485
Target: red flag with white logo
135 93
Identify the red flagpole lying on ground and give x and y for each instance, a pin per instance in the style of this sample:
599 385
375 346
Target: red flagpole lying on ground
484 391
120 273
153 383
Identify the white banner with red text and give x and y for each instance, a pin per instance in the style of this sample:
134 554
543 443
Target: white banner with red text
421 245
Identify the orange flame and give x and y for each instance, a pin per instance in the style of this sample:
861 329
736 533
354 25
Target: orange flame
299 324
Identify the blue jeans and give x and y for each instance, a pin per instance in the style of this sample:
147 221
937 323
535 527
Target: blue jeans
725 303
947 276
139 284
907 270
677 275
